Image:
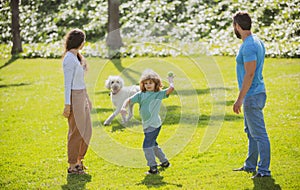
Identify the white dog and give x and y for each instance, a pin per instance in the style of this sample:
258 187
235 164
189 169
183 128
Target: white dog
119 93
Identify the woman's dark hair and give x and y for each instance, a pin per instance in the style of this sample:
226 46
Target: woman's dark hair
243 19
74 39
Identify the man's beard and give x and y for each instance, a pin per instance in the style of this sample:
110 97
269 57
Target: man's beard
238 35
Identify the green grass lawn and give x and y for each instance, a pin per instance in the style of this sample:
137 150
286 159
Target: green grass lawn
201 135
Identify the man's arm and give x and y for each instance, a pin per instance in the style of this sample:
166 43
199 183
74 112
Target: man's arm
248 78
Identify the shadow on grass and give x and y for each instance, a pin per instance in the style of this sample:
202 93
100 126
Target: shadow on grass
125 71
13 85
76 182
227 103
265 183
156 181
200 91
10 61
181 92
117 126
100 110
173 117
103 92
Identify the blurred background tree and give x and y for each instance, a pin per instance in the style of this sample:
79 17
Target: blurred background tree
114 40
15 28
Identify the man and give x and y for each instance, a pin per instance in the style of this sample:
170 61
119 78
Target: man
252 95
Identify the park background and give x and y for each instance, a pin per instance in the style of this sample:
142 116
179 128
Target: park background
189 36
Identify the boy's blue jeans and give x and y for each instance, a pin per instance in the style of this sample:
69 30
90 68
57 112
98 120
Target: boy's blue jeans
259 143
151 148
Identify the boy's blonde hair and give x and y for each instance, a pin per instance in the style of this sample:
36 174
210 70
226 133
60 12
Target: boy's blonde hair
149 74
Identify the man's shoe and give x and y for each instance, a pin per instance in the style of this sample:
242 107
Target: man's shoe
242 169
153 170
165 164
259 175
239 169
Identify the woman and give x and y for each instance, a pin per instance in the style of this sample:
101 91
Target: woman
77 104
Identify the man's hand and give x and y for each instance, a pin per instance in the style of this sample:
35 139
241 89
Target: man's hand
237 106
67 111
248 78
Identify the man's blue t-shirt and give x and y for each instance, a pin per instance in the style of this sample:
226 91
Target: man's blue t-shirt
252 49
149 106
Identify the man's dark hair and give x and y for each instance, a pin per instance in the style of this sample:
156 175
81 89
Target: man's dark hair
243 19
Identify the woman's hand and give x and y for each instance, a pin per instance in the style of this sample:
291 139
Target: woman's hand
90 104
67 111
83 61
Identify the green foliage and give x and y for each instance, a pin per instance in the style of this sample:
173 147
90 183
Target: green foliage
33 132
276 22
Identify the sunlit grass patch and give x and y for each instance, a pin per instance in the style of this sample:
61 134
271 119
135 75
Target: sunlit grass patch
33 133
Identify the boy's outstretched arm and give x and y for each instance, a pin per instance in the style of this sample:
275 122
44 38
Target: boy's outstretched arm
171 87
125 104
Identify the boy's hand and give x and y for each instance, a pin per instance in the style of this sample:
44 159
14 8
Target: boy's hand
123 112
67 111
171 79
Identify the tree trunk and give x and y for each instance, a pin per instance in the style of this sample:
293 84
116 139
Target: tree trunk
114 40
16 37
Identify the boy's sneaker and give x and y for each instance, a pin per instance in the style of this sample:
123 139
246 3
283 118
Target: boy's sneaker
153 170
165 164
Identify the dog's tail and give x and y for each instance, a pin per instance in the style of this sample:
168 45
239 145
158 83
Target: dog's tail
137 88
134 89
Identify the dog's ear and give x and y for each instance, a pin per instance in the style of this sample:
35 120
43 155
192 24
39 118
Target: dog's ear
107 83
121 82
